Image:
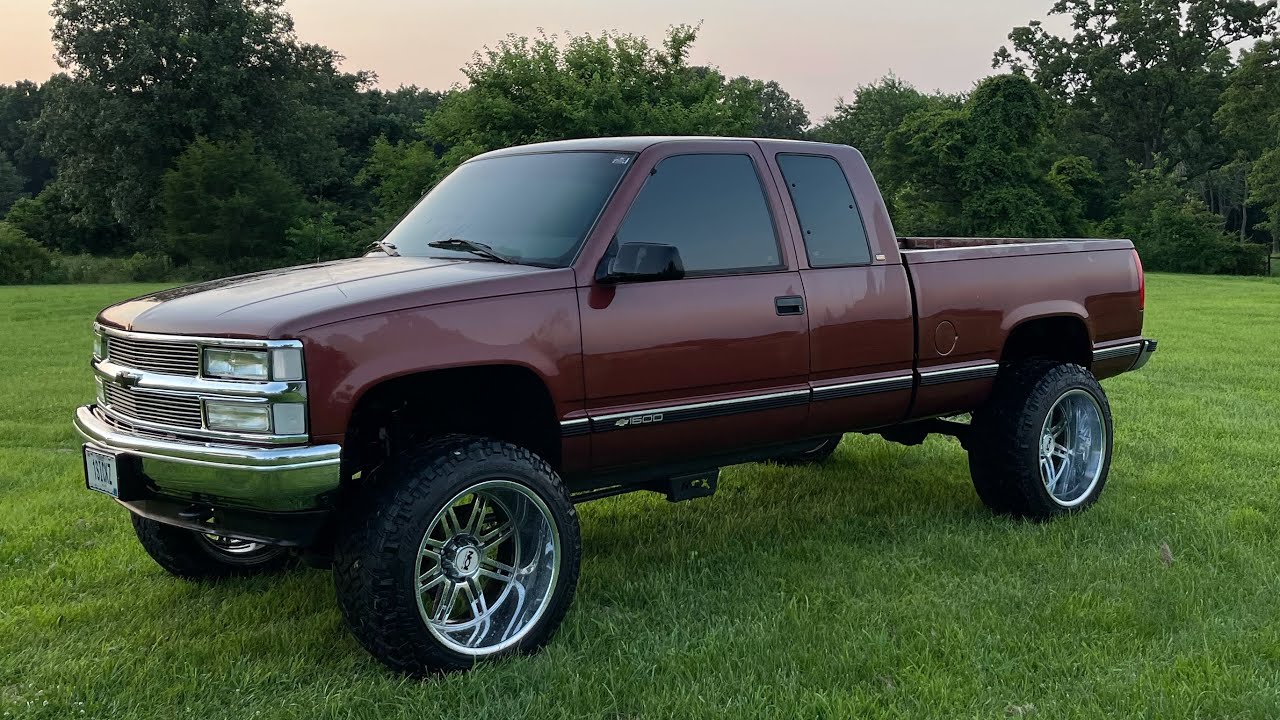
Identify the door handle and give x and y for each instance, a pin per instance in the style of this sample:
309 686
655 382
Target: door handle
789 305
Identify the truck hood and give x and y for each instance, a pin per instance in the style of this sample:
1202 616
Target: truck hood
281 303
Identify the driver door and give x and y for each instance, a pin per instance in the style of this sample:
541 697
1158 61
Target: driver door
715 362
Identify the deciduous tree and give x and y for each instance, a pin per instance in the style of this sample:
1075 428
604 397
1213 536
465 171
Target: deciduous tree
228 204
1140 77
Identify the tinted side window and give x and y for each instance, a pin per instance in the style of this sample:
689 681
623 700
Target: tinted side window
711 207
829 217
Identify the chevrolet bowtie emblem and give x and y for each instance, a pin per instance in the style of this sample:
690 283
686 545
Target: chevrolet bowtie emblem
124 378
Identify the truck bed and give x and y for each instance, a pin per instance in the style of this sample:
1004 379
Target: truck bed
974 292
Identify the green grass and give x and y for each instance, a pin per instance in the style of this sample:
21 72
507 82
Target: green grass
874 586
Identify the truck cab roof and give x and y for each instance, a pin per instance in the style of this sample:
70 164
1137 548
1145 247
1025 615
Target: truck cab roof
637 143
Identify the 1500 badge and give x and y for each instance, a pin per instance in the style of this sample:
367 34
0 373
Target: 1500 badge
639 420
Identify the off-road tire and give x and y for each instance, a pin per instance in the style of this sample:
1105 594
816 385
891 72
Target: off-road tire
376 552
187 555
820 453
1004 442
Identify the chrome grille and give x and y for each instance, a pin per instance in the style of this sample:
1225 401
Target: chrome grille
162 357
173 410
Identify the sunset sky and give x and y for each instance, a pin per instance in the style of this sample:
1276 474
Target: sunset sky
817 49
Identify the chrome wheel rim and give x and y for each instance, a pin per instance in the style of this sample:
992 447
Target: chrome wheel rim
232 546
237 551
487 567
1073 448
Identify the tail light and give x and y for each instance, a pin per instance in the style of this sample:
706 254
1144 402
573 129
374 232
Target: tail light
1142 282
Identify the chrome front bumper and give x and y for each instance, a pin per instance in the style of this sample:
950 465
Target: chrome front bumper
279 479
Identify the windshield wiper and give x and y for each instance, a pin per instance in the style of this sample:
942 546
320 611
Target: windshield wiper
471 246
386 247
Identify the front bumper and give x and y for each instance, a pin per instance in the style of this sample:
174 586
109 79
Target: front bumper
218 475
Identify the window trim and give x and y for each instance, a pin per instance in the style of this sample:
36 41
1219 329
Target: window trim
862 221
781 265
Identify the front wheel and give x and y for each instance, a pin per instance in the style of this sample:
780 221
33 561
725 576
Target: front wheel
1042 446
204 556
465 550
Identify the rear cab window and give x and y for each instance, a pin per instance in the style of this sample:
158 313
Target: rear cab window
712 208
830 222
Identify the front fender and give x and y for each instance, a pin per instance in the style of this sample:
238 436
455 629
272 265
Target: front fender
539 331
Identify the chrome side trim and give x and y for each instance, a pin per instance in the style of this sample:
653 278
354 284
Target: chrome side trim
972 372
710 404
753 403
1118 351
698 411
578 426
862 387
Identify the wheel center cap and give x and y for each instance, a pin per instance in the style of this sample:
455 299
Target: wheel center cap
466 561
1046 444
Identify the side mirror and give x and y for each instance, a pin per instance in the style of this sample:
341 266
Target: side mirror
641 262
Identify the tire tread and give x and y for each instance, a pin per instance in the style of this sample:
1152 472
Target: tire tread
1007 432
368 556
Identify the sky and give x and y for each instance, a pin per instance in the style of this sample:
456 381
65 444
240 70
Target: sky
818 50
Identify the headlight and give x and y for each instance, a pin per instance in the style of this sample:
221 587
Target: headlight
280 418
99 344
237 364
238 417
276 364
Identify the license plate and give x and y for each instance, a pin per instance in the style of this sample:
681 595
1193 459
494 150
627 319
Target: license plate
100 472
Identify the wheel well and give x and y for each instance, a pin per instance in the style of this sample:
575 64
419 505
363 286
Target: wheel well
1064 338
506 402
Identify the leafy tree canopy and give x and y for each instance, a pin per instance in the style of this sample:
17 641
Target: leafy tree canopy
1174 231
875 111
145 79
981 168
226 203
197 137
530 90
1140 77
533 90
1250 117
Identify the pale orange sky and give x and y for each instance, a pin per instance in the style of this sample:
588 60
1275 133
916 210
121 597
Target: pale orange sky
817 49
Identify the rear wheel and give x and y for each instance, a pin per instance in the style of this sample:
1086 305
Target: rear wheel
465 550
205 556
1042 446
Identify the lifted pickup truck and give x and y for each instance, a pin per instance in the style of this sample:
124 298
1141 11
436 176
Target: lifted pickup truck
566 321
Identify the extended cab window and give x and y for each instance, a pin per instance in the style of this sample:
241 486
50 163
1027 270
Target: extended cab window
712 208
829 217
535 209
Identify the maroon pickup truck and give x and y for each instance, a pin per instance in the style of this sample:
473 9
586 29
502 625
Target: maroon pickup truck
567 321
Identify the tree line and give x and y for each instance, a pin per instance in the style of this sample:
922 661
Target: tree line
196 138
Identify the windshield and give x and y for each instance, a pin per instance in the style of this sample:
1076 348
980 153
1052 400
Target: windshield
533 209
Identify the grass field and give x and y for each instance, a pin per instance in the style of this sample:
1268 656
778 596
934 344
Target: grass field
874 586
